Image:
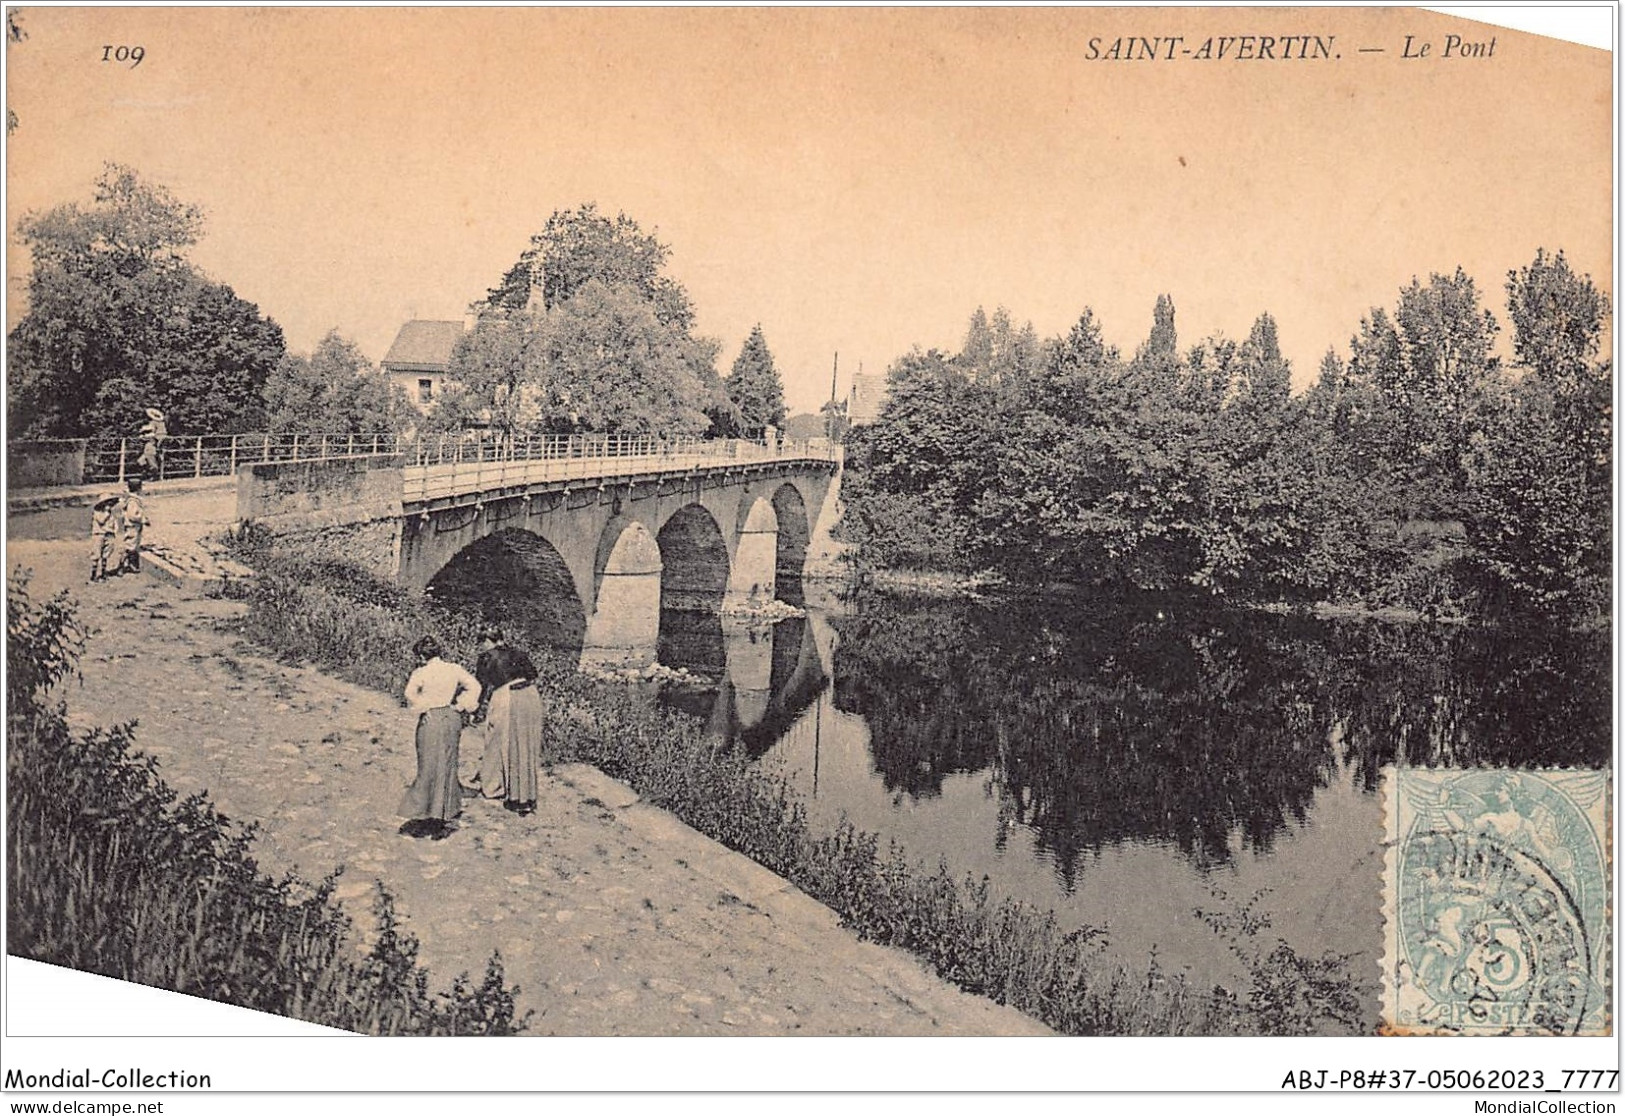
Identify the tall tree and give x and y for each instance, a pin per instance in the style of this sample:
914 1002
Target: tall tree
1263 377
1156 364
611 365
1324 397
976 354
754 385
1208 379
118 321
334 390
998 353
587 332
1540 474
496 366
1557 318
580 246
1423 374
922 465
1075 370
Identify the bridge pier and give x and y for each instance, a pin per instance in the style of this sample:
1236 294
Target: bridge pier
755 563
624 628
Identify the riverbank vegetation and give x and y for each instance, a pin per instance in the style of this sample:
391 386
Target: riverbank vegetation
112 873
1420 472
362 628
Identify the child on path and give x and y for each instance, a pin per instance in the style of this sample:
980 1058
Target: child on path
135 518
104 527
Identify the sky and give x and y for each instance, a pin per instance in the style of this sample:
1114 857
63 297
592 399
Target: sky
856 181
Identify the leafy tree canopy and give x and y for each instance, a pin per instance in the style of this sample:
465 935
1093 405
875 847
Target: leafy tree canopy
335 389
119 321
585 332
617 367
579 246
997 352
1557 318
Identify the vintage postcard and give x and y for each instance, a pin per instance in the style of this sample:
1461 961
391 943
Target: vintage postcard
589 524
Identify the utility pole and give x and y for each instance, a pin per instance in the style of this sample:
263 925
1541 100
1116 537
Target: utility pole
829 419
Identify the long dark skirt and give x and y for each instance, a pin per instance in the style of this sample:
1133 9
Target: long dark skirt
513 745
435 792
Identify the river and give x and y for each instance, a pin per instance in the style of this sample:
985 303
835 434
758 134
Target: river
1137 768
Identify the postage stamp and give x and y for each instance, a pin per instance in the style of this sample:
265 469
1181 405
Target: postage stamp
1496 897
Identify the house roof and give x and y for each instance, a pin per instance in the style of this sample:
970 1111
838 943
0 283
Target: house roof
423 346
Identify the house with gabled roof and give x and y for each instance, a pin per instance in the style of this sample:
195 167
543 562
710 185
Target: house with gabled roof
421 357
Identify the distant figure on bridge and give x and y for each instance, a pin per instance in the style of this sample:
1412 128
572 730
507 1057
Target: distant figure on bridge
152 441
135 521
442 692
513 723
104 525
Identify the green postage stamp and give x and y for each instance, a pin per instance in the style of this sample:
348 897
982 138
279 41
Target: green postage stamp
1496 896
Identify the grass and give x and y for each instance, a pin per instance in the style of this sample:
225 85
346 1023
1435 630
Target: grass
111 873
1007 950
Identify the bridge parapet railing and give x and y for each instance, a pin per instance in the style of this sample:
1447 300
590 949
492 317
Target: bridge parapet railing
443 449
567 455
441 471
211 455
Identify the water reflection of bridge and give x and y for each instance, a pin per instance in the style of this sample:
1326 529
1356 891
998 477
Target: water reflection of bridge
760 678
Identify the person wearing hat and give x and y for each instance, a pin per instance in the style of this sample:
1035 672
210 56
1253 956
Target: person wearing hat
152 439
103 535
135 519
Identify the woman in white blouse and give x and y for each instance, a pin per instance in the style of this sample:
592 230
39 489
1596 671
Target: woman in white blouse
442 692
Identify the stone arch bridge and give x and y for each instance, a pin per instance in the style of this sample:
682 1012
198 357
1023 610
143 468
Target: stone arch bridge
583 546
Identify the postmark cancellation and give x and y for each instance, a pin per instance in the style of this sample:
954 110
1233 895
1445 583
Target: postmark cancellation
1497 904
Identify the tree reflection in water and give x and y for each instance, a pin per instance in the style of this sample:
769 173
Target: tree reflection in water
1207 729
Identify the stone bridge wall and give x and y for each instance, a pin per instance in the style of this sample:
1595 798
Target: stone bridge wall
344 507
45 464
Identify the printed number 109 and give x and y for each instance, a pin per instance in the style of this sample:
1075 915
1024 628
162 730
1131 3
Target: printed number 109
131 54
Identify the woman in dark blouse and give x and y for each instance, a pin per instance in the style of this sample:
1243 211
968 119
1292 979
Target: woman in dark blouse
513 723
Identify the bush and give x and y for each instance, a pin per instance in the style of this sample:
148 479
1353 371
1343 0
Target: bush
901 531
111 874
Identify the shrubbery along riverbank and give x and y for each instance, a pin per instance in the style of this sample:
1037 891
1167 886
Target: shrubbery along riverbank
111 873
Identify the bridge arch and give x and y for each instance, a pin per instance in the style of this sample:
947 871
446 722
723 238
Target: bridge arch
790 546
693 585
517 579
694 559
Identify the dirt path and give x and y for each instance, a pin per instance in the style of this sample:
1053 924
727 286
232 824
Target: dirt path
612 917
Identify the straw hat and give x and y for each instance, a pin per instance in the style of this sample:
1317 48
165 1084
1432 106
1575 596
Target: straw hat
155 414
110 498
